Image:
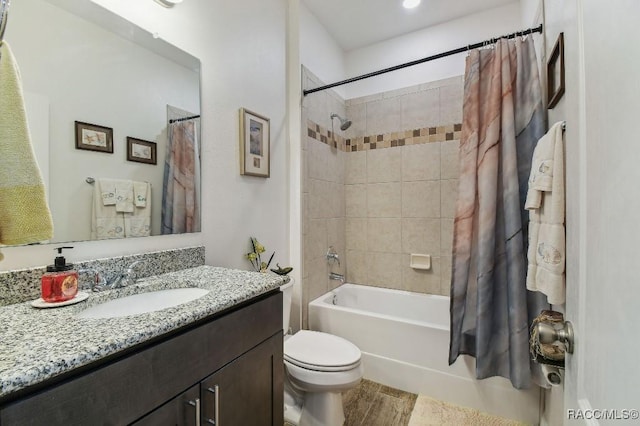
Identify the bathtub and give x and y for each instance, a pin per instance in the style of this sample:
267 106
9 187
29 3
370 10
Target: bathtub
404 339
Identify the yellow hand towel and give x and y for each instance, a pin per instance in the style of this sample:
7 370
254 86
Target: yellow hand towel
24 213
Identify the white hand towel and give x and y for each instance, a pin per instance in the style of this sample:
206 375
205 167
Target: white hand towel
124 196
140 191
138 223
107 191
105 221
137 226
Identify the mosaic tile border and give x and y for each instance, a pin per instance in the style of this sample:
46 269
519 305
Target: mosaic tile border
326 136
423 135
24 284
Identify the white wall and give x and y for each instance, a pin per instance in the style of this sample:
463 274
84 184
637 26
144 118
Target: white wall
319 51
242 48
419 44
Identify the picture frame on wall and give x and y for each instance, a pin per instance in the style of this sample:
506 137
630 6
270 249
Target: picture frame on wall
93 137
255 144
555 73
141 151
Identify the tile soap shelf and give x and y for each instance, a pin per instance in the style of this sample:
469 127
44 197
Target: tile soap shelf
420 261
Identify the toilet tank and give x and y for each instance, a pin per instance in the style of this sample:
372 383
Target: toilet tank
287 293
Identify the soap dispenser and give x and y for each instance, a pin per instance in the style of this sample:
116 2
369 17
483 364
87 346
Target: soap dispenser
60 283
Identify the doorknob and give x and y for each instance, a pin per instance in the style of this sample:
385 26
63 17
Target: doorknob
547 333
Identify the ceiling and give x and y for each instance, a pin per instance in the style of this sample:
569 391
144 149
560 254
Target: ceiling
358 23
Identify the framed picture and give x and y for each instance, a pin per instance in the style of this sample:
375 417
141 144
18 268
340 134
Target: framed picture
555 73
93 137
254 144
141 151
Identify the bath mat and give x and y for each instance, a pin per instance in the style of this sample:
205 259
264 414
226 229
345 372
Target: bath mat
428 411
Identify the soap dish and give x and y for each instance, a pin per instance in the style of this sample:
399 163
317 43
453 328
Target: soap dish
420 261
41 304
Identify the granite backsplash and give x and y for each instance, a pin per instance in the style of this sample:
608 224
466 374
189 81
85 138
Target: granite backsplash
24 284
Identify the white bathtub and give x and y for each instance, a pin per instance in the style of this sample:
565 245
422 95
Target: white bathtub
404 339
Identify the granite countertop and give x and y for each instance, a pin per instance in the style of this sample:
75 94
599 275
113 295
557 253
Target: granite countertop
38 344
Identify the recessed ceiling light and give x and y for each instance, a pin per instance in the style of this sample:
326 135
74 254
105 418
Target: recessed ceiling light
168 3
410 4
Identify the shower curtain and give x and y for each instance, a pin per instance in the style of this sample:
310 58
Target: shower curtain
503 118
181 184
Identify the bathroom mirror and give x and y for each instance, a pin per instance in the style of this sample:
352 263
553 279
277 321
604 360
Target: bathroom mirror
81 63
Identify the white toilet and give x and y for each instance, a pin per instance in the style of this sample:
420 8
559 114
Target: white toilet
318 367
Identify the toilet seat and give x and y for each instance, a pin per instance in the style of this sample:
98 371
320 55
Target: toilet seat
317 351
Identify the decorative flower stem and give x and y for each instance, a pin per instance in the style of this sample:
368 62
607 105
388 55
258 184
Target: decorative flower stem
255 258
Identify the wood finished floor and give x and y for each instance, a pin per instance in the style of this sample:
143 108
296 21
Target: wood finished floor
373 404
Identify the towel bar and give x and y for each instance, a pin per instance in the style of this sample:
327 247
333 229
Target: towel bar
91 180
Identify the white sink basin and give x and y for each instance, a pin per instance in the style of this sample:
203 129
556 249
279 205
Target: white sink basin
142 303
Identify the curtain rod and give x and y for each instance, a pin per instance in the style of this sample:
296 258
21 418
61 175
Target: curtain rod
420 61
175 120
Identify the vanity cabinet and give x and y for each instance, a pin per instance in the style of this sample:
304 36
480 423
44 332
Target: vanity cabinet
167 382
240 393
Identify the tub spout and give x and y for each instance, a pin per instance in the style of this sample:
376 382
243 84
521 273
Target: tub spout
337 277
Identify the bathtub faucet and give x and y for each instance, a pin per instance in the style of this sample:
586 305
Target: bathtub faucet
337 277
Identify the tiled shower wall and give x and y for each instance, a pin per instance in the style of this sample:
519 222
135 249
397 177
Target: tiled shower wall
323 199
383 189
401 180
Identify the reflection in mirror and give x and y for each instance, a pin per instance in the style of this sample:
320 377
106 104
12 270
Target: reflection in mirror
81 63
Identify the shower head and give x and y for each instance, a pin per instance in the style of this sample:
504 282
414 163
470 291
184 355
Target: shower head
345 123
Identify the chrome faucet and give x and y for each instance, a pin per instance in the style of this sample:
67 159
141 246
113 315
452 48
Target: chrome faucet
124 278
336 277
332 255
98 283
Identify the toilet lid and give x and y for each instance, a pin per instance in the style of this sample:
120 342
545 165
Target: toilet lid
315 350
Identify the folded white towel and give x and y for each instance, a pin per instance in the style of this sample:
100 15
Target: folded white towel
137 226
108 191
124 196
105 221
140 193
110 227
545 202
138 223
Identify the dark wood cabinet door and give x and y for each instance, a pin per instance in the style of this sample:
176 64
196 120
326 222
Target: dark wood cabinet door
249 389
182 410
